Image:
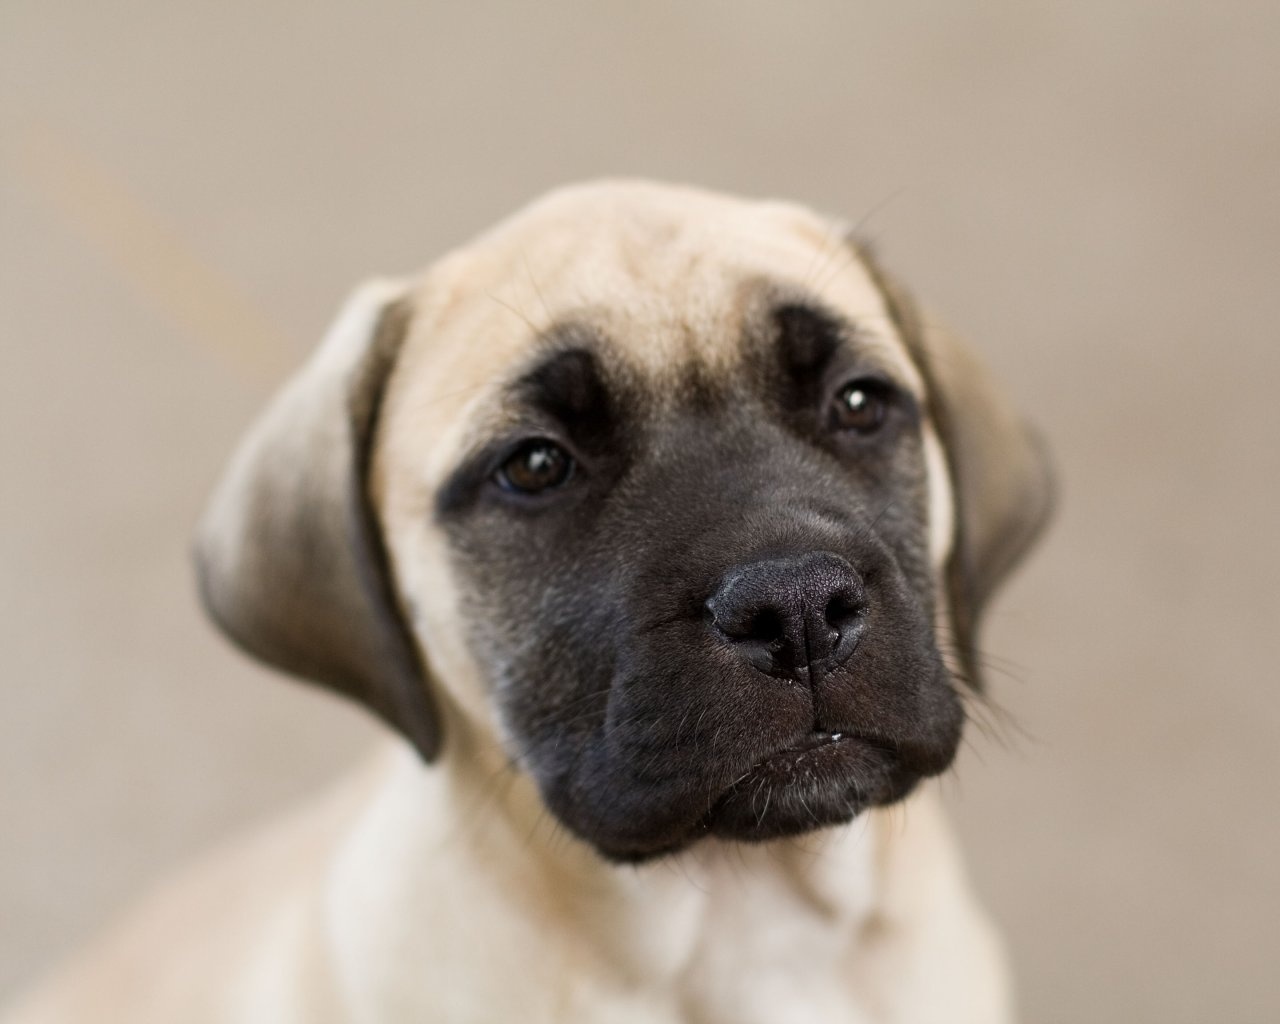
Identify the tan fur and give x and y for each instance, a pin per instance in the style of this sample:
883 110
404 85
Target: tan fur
444 893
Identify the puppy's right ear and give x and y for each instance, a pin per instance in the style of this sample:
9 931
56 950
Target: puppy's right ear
291 562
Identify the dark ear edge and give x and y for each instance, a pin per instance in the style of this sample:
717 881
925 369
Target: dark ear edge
407 703
290 558
1001 475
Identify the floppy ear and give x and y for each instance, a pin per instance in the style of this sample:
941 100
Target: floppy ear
290 559
1001 476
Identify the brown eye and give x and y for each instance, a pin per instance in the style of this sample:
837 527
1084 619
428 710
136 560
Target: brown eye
536 466
862 406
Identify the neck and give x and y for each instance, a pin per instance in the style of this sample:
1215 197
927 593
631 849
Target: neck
468 843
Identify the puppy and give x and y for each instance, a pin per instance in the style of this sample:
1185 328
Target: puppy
657 524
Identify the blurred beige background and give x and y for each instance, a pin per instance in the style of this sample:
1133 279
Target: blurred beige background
1090 190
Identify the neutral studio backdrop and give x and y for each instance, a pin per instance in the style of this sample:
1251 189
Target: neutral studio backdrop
1090 191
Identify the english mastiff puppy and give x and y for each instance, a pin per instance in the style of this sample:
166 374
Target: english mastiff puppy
657 525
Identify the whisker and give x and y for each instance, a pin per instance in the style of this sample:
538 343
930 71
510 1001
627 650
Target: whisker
512 309
524 257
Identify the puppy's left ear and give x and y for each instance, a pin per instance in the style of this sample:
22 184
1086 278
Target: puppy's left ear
291 562
1001 476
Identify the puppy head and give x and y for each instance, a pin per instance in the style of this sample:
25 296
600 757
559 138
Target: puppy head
672 495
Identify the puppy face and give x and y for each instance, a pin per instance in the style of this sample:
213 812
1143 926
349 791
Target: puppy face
686 518
654 482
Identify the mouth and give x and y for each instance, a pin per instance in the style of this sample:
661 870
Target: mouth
826 778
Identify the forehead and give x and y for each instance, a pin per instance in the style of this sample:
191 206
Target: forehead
669 275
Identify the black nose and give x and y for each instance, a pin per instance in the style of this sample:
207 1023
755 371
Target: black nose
788 615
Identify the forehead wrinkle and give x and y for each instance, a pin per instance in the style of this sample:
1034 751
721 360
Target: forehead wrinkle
867 333
550 350
570 372
647 363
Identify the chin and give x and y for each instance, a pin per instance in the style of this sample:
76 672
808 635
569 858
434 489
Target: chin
821 780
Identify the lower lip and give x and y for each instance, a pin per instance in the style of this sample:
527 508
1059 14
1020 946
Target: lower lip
813 741
818 750
812 783
838 752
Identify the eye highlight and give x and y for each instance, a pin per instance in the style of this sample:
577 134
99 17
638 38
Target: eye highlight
862 406
536 466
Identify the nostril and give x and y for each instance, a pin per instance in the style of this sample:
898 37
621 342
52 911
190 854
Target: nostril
842 610
749 625
764 627
845 615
